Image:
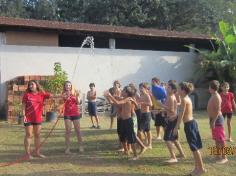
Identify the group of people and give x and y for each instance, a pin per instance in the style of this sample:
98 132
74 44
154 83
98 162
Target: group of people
167 104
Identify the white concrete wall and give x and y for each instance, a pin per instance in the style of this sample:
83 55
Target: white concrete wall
101 66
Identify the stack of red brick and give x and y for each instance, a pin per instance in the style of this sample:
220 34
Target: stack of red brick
15 91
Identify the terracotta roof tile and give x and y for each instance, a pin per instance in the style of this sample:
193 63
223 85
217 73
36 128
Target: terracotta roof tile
135 31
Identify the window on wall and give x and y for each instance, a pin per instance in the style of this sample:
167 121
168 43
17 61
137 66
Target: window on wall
76 41
135 44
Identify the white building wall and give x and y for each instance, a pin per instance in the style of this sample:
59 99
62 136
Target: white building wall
101 66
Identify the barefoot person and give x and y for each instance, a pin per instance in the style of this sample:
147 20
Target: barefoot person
170 137
92 107
190 126
127 133
71 115
216 120
227 106
115 91
32 102
158 94
145 103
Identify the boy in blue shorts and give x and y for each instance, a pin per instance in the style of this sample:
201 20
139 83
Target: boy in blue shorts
190 126
92 107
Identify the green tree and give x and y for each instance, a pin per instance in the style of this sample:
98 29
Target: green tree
183 15
220 63
41 9
12 8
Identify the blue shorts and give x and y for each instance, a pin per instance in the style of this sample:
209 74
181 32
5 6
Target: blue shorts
72 118
127 131
193 135
92 108
168 134
145 122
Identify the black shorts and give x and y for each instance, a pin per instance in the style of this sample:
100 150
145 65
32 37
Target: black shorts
92 108
168 133
72 118
229 115
138 114
193 135
160 120
127 131
31 123
145 121
119 126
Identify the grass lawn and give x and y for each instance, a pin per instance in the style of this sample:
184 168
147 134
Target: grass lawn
101 157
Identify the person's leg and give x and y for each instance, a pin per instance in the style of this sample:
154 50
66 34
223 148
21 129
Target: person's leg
220 145
68 127
158 131
141 144
229 125
37 142
96 115
112 115
149 137
148 129
97 121
90 111
158 119
199 167
78 134
180 149
112 121
27 139
140 135
92 121
134 152
173 158
126 148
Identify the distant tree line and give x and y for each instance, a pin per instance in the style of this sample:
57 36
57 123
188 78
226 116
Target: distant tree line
182 15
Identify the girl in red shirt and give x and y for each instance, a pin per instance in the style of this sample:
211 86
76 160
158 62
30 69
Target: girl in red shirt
71 114
227 106
32 101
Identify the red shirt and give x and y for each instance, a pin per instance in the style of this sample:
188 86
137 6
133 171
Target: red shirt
227 102
34 106
71 106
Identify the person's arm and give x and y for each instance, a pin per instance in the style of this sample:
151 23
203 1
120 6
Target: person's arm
233 103
47 95
180 116
169 107
88 97
178 99
117 102
134 103
93 96
217 107
23 104
77 95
